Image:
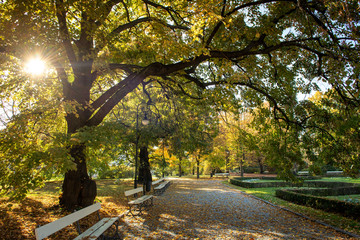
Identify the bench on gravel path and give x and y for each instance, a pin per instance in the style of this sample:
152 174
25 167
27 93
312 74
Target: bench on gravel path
158 181
161 188
137 205
221 175
93 232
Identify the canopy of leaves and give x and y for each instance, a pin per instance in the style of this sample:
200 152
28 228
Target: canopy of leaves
101 51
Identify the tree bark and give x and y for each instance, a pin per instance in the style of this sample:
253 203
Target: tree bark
261 166
144 177
242 161
180 174
78 190
197 168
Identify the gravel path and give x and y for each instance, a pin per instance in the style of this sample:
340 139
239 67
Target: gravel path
206 209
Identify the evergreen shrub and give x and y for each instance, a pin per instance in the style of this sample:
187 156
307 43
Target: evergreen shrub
346 209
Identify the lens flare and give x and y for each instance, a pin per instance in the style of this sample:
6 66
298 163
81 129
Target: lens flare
35 66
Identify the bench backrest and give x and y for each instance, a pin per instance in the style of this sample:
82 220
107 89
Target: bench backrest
158 181
50 228
133 191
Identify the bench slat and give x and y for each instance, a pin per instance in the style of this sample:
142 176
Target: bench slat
104 227
140 199
97 229
50 228
92 229
133 191
158 181
162 185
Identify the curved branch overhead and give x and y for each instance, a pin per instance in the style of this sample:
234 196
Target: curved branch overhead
152 39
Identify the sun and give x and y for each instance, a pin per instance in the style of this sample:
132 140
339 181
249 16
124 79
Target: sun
35 66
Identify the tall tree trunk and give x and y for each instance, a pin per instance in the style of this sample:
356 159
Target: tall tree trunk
197 168
241 168
261 166
242 161
144 177
78 189
180 167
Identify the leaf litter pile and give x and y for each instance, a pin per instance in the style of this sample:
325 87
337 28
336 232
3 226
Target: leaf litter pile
189 209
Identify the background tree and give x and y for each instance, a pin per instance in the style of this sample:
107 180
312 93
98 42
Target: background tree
331 137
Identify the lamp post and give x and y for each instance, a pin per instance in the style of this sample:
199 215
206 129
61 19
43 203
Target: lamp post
227 160
144 122
163 160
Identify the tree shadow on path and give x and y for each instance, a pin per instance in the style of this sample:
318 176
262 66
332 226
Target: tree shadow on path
192 209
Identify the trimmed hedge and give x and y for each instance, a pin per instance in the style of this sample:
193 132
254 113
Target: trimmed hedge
310 197
262 178
329 191
318 184
346 209
241 183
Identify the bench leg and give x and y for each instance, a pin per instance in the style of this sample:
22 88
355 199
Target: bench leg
147 204
116 235
135 210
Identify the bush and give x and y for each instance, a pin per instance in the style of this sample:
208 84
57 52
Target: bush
243 183
346 209
251 170
329 191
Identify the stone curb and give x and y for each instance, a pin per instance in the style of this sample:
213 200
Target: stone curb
296 213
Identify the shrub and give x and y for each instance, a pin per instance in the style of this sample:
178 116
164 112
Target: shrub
347 209
251 170
329 191
243 182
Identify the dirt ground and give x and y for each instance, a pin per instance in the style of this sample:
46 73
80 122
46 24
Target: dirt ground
207 209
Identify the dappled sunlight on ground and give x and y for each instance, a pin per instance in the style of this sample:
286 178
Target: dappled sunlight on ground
191 209
188 209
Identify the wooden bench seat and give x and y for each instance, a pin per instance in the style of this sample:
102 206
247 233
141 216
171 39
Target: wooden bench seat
158 181
222 175
161 188
137 205
93 232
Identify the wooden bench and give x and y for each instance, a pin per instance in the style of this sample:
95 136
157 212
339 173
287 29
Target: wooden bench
303 173
93 232
158 181
137 205
161 188
221 174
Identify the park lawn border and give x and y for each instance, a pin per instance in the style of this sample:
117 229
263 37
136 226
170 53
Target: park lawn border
282 204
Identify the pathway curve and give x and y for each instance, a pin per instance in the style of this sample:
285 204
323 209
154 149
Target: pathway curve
206 209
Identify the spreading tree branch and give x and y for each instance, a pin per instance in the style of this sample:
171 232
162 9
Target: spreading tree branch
63 30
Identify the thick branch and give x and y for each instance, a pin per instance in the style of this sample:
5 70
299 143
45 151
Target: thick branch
128 25
169 10
251 4
105 96
63 30
107 7
118 92
128 85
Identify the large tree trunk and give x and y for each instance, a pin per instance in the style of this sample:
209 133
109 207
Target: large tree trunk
78 190
261 166
197 168
144 177
180 173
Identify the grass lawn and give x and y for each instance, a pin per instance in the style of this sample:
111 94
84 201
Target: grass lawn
335 220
